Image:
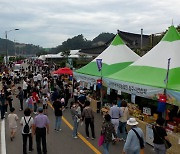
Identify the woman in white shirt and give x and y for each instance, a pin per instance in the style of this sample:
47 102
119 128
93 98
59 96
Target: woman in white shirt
123 121
29 120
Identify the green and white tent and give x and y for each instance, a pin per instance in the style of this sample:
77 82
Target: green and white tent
147 77
114 58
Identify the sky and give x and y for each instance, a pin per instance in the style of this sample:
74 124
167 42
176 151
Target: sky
48 23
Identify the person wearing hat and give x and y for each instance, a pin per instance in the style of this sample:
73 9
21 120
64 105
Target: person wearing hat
131 145
82 99
40 126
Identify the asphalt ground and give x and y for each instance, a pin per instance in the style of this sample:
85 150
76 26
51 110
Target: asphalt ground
62 142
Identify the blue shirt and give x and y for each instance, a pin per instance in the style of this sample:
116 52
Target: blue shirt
132 142
41 121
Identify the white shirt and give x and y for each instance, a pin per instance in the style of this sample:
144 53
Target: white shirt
22 122
25 85
35 78
115 112
39 76
12 118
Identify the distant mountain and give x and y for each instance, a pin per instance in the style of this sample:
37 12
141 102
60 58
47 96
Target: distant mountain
18 48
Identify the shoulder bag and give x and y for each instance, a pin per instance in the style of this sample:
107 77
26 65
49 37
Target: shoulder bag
166 142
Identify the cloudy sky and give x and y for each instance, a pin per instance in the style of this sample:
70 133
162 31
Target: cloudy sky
48 23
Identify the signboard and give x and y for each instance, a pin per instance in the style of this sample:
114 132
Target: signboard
146 111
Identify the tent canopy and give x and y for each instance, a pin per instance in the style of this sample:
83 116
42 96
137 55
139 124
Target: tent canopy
151 69
64 70
114 58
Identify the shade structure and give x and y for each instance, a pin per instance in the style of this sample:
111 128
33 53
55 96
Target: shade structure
147 77
114 58
64 70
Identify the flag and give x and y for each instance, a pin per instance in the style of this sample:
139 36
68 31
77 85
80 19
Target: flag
99 64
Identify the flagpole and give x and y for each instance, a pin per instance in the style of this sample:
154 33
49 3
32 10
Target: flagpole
167 74
99 65
166 83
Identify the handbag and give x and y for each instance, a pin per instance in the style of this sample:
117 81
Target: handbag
166 142
101 140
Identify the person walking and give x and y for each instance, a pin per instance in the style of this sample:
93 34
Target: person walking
123 121
107 130
2 104
25 85
131 145
88 116
76 115
40 126
45 103
21 97
27 121
159 135
36 99
58 114
12 119
115 114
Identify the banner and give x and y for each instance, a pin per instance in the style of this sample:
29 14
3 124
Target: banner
99 64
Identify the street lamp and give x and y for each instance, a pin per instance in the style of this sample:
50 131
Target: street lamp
6 33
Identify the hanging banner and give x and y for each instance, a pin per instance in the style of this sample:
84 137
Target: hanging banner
88 86
108 91
94 87
119 92
133 97
99 64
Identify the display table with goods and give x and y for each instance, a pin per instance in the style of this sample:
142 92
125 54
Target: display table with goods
145 123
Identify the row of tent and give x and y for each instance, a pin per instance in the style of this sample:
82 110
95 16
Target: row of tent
147 76
72 54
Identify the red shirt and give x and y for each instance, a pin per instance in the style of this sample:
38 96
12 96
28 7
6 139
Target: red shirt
35 96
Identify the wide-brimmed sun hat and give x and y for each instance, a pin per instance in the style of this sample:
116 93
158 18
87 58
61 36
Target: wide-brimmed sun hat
81 91
132 122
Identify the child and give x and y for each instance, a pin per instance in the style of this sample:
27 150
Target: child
45 103
63 104
12 118
30 102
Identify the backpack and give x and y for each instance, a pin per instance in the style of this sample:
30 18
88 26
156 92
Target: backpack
26 127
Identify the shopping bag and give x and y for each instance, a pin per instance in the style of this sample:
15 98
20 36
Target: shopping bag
101 140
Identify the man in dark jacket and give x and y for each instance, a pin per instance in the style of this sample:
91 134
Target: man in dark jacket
58 114
21 97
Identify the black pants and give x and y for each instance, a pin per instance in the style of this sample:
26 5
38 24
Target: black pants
41 138
88 122
25 93
25 137
21 104
2 108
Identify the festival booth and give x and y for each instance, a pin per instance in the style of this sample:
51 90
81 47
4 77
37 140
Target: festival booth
66 72
114 58
156 76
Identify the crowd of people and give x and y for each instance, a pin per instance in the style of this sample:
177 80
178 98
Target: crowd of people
37 88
